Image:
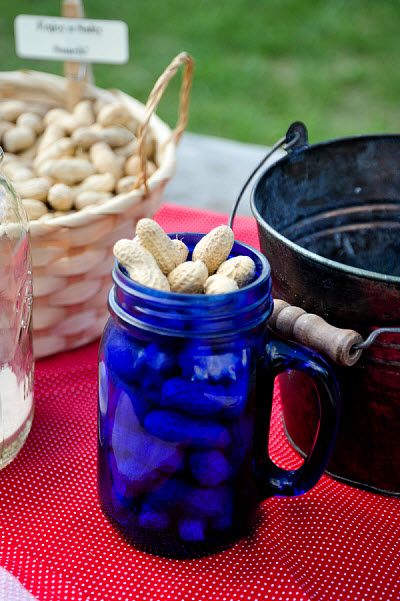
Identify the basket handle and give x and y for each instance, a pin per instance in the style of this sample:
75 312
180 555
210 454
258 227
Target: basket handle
154 98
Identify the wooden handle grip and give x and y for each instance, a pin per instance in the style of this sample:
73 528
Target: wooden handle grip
311 330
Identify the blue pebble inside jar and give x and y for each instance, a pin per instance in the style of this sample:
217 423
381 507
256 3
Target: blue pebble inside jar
179 382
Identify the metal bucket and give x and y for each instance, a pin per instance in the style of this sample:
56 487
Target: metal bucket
328 219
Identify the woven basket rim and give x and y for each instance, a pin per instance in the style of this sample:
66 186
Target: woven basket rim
53 87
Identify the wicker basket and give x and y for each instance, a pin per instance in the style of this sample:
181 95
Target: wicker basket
72 254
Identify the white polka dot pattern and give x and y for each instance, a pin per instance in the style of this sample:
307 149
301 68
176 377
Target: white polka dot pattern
333 543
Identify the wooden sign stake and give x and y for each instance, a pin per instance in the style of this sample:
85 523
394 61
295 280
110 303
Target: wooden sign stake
78 74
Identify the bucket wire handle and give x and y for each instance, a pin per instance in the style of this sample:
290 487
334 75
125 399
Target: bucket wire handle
272 150
296 137
371 338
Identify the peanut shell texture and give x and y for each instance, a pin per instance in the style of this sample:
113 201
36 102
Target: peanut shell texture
214 248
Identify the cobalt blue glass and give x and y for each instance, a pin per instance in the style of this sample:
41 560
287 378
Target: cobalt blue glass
185 395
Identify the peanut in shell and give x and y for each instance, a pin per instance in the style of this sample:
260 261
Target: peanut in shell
241 269
214 248
164 251
188 277
140 264
219 284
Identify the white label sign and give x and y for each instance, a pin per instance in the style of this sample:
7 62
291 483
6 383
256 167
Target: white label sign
62 39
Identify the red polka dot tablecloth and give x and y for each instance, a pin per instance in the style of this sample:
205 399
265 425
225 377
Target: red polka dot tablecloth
333 543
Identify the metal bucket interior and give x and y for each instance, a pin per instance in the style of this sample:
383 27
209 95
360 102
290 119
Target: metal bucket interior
342 202
331 212
328 219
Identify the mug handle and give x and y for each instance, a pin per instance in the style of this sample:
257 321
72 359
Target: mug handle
271 479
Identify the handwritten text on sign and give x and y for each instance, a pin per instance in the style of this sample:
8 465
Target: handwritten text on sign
83 40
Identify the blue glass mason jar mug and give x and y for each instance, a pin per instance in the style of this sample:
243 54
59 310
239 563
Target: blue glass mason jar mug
185 395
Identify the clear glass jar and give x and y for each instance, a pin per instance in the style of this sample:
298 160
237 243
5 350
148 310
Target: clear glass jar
16 354
185 397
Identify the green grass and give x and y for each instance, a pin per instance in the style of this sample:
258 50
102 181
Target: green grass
260 64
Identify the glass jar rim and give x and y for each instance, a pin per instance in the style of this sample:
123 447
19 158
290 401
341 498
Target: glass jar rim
132 302
125 281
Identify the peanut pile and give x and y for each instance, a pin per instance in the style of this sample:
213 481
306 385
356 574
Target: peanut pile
60 162
153 259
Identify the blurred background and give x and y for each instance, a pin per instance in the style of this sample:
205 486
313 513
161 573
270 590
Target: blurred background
260 64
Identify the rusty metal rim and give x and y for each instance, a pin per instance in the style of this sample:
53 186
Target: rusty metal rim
355 271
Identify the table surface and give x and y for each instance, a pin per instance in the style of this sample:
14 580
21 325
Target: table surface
227 163
332 543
